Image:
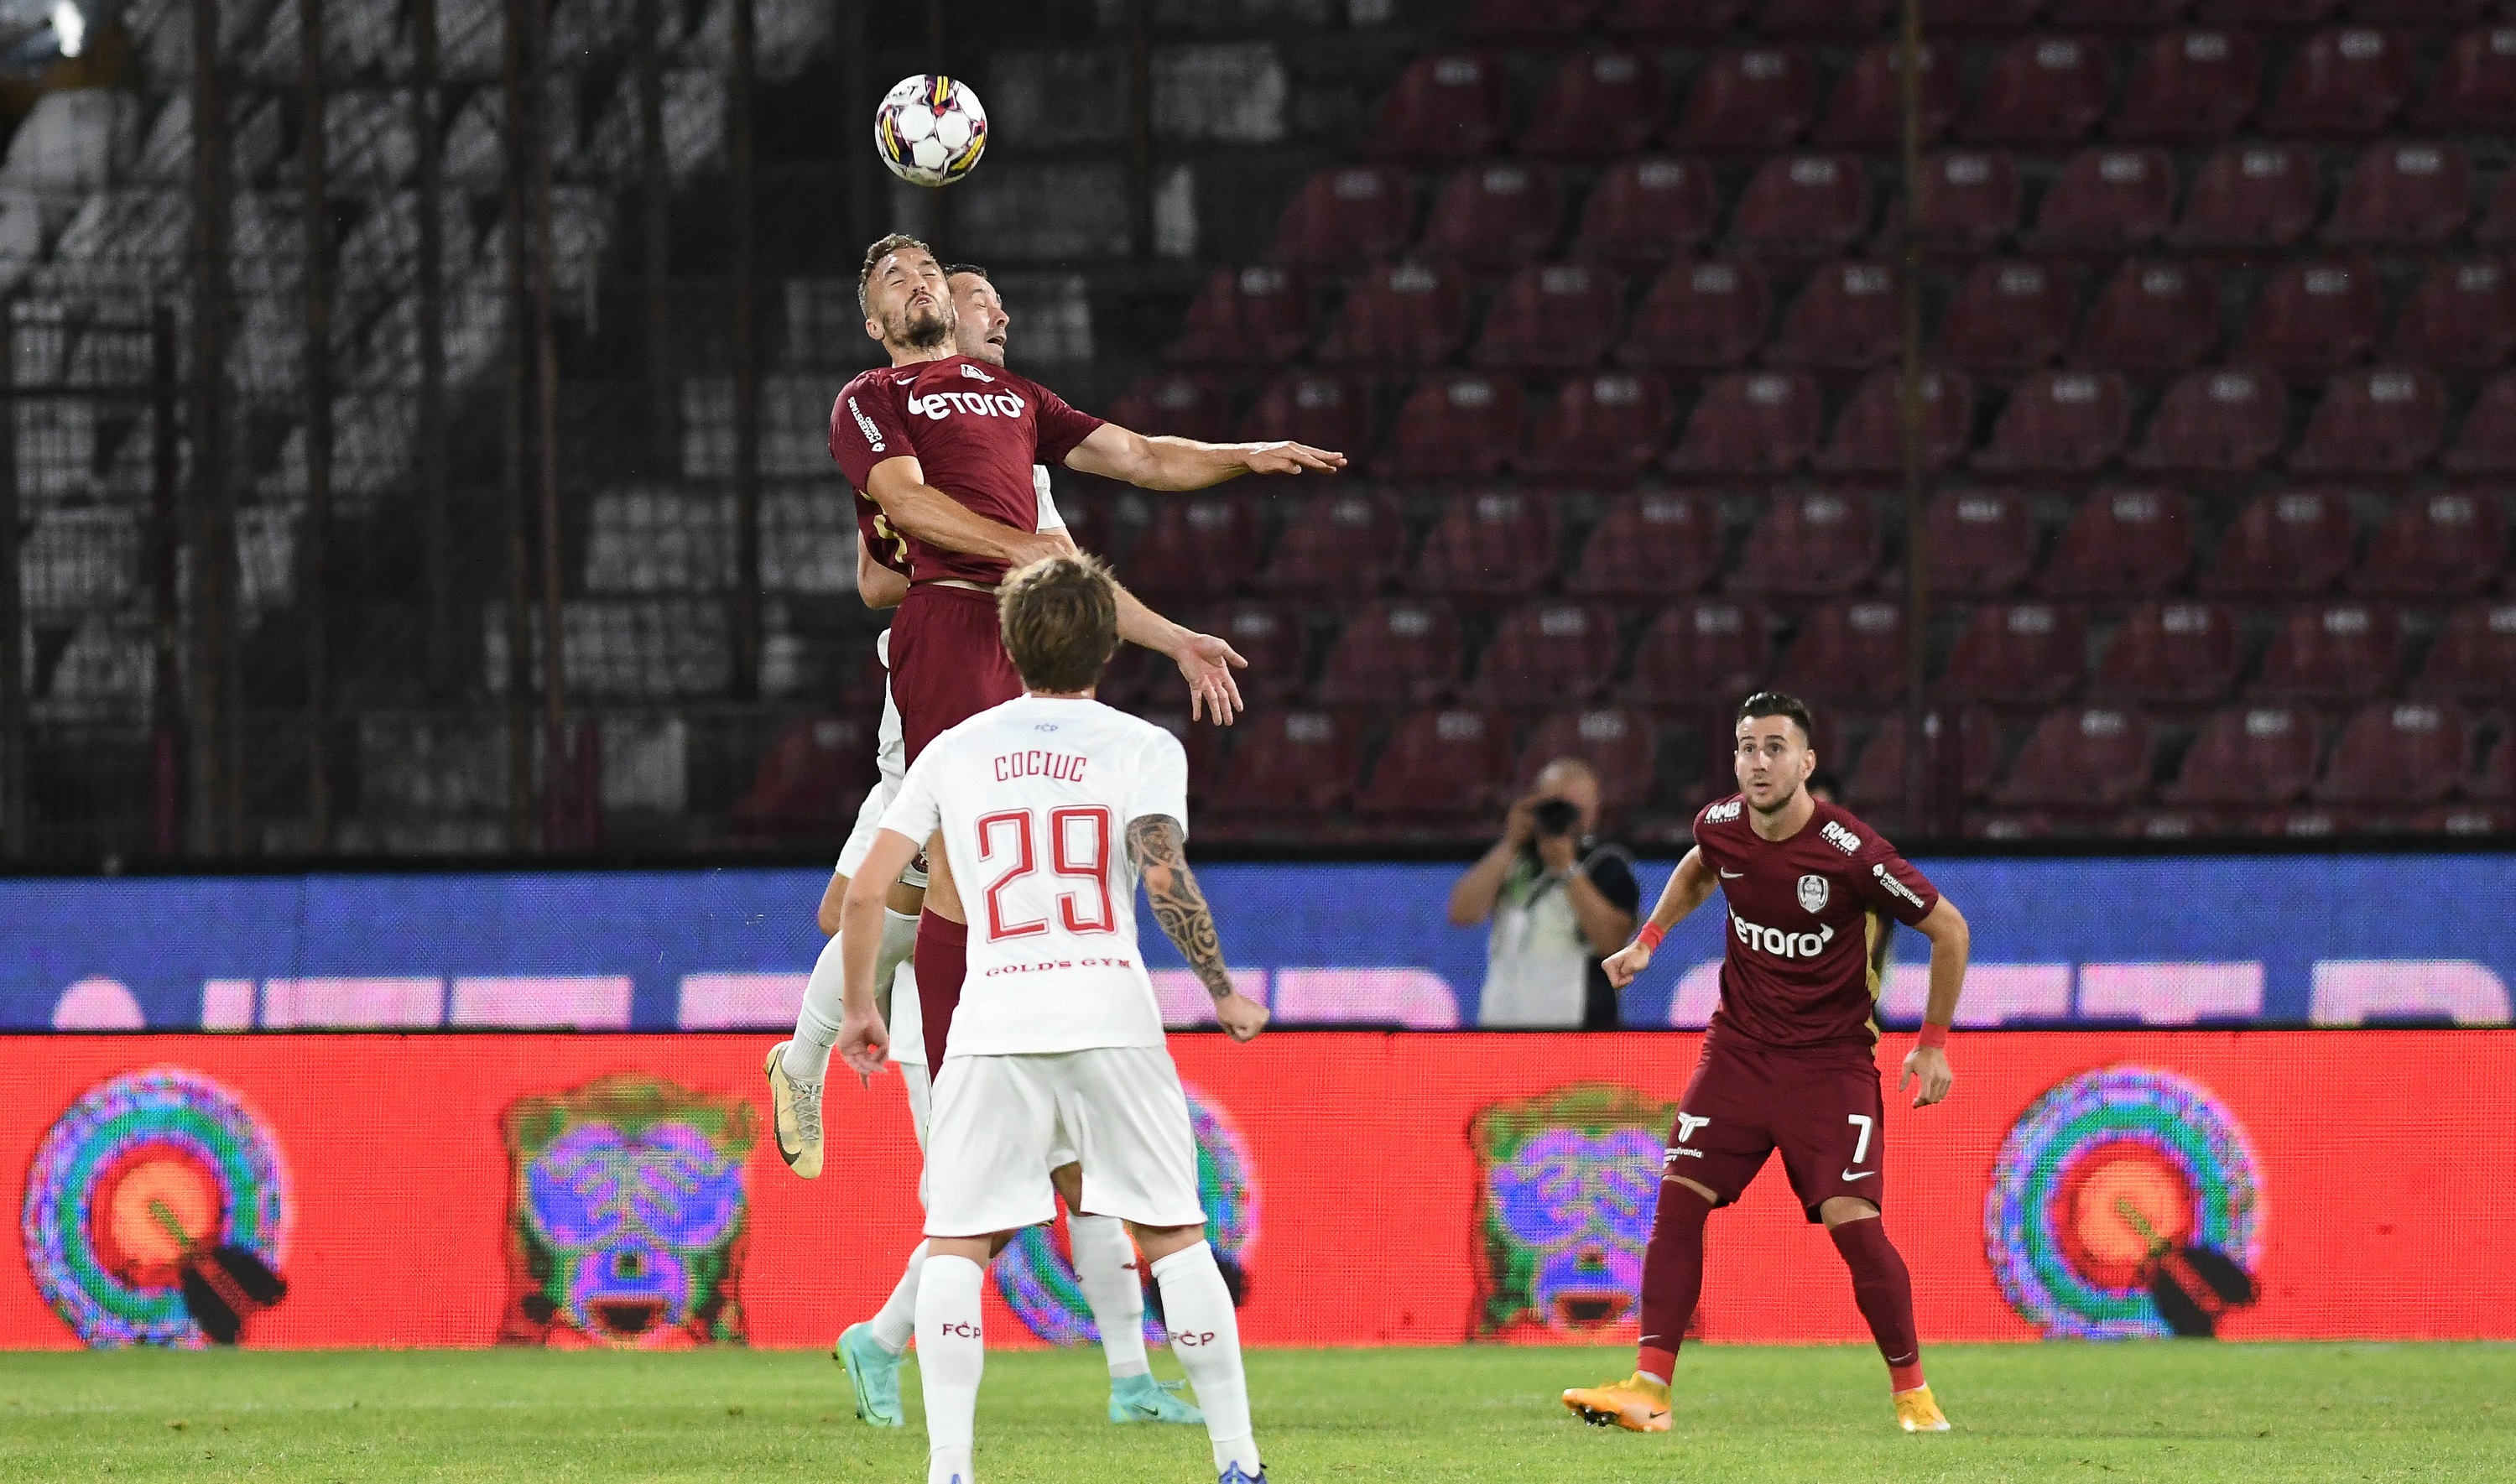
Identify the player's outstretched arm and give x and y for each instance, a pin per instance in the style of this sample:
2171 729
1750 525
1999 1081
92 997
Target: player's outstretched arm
1156 846
1205 662
916 508
1182 463
1689 888
863 1036
1952 943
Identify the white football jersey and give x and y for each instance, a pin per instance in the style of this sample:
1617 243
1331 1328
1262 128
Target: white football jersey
1034 798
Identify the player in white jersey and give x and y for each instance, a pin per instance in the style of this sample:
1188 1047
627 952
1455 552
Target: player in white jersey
1060 804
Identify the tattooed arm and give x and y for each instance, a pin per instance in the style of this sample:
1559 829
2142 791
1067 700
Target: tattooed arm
1156 845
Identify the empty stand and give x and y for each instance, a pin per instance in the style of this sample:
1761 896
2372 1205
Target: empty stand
1707 316
1810 544
2475 87
1748 101
1548 655
2247 755
2107 201
2498 222
810 781
1344 219
1314 407
1646 211
2227 420
2487 445
2388 421
2292 543
2082 758
1971 202
1672 19
2122 544
1980 15
2314 319
2334 651
2347 81
2008 317
1409 313
2437 545
1440 766
1197 546
2404 194
1866 110
2462 316
1342 544
2059 422
1498 543
1608 425
1646 546
1553 317
1619 745
2118 15
1849 652
2152 317
1858 18
1869 436
1461 425
1704 653
1244 317
1812 205
1849 317
1177 403
2251 197
2178 653
1454 105
2398 752
1290 768
1495 215
2191 86
2496 778
1982 542
2017 653
1760 422
1393 654
1271 639
1877 782
1599 104
2474 655
2044 92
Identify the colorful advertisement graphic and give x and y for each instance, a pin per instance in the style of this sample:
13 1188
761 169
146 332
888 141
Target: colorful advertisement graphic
1377 1189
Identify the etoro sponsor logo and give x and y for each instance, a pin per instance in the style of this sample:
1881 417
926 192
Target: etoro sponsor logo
938 406
1841 838
1780 944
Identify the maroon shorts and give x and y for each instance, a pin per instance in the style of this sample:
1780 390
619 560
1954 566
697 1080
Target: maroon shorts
948 661
1820 1107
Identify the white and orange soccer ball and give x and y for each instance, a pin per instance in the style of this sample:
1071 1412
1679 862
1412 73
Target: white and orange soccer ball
929 130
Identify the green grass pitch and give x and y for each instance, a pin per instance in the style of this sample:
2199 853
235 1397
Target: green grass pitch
2135 1412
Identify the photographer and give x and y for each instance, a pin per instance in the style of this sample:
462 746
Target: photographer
1560 901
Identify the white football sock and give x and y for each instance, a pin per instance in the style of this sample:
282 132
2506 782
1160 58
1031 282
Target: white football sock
897 1320
1205 1335
816 1019
1105 1268
897 947
951 1356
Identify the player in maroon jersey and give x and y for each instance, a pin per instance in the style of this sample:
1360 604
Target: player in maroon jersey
1789 1062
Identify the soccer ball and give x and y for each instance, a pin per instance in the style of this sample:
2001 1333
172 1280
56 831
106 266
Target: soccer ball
929 130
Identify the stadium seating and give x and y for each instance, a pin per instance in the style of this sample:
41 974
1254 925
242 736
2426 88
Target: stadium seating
1748 101
1246 317
1670 20
1177 403
2008 317
1760 422
2059 422
1528 21
1971 203
1866 110
2152 317
1698 317
2345 81
2497 228
2190 86
1877 782
2440 545
2312 318
1394 654
1644 212
1848 652
1982 542
2334 651
2404 195
1619 745
1695 652
2250 196
2291 543
1344 219
1979 14
1869 436
2398 752
2016 654
1810 544
2388 421
1291 768
2226 420
1556 316
2248 756
2496 778
2475 87
1825 17
1453 426
1803 205
1197 546
2487 443
2107 201
810 781
2462 316
1342 544
2177 654
1439 767
1494 544
1407 314
2081 759
1849 319
1317 408
1270 638
1610 425
1495 215
2474 655
2122 544
2044 92
1599 104
1648 545
2118 15
1547 655
1450 106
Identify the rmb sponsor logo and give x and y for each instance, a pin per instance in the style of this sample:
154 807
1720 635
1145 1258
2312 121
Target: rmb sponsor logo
1780 944
1841 838
938 406
1722 813
1568 1181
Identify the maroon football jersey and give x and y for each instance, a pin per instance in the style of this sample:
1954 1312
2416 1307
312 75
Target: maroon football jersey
1803 913
975 429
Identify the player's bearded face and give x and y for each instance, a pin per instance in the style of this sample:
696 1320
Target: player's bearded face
1771 763
914 306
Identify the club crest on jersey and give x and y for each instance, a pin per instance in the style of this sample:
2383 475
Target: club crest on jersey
1813 893
974 373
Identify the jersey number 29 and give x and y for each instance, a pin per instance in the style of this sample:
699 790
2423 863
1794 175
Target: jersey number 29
1078 848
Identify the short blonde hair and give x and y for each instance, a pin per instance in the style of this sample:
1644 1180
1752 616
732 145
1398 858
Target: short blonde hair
1060 619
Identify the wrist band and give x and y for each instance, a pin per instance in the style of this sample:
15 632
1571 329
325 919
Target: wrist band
1932 1035
1651 935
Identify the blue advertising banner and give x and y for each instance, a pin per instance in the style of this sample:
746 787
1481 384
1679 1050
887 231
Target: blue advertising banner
2274 940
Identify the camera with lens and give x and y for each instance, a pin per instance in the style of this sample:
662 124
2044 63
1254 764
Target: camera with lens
1554 817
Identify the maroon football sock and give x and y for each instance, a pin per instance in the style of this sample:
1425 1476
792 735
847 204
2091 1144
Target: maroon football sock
1885 1292
942 959
1672 1276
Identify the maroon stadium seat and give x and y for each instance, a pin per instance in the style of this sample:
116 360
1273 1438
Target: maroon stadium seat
1850 318
1982 542
2475 88
1866 110
1807 205
2290 543
2267 12
2223 421
2499 224
1619 745
1495 215
1600 104
1662 19
1393 654
809 782
2443 544
2152 317
1439 767
2496 779
1869 436
2082 758
1810 544
1314 407
2419 13
1644 212
1860 17
1459 425
1271 638
2008 317
2474 658
1246 316
1529 19
1342 544
1702 653
2191 86
1175 403
1547 654
2398 752
1494 543
2044 92
1557 316
1197 546
1971 203
1608 425
1850 653
2107 201
2384 420
1407 314
1748 101
1343 218
1877 783
2182 823
2251 197
1291 768
2334 651
2351 81
1648 545
2404 194
2464 819
2314 317
2117 14
1702 315
2059 422
2122 543
2488 443
1750 423
1979 14
2180 654
2247 755
1450 106
2462 316
2017 653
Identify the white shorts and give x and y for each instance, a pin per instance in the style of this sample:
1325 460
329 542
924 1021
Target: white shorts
890 761
999 1121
